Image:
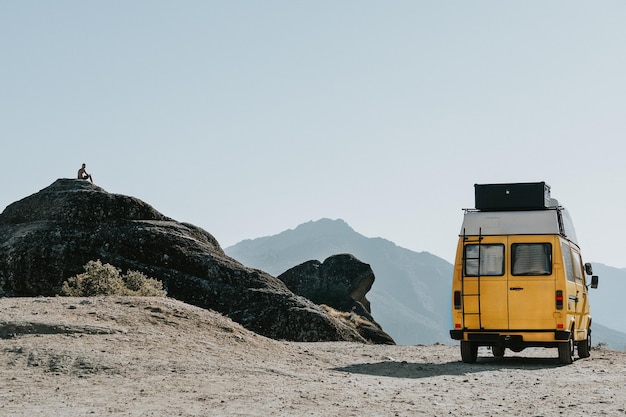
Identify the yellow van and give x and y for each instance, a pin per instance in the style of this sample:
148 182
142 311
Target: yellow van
519 279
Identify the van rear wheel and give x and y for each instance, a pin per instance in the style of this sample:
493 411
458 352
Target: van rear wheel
469 351
584 346
566 351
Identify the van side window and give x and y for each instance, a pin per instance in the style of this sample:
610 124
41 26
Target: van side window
578 267
491 260
567 261
531 259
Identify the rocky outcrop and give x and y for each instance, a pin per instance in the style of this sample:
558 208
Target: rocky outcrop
340 282
48 237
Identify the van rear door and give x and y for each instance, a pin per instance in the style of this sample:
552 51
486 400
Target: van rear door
531 284
485 284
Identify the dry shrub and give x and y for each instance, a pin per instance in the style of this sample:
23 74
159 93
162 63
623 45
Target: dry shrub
99 279
352 319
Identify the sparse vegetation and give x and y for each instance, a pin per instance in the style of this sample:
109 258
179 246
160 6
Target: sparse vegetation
105 279
600 346
351 318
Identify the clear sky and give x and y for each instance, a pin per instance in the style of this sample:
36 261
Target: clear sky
248 118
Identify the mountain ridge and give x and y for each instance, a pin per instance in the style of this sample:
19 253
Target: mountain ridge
425 319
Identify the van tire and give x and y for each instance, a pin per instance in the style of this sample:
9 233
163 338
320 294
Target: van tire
584 346
469 351
498 350
566 352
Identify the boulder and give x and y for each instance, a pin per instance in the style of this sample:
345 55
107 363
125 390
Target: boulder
49 236
340 282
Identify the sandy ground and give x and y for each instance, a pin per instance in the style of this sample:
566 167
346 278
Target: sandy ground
160 357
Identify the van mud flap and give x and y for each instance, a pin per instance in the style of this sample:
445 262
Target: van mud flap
562 334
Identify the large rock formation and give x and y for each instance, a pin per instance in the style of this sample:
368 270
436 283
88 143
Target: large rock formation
411 289
48 237
341 282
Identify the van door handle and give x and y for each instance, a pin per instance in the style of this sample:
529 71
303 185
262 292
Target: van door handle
516 288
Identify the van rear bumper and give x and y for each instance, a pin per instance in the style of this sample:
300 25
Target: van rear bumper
456 334
490 337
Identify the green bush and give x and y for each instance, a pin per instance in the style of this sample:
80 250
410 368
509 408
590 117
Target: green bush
99 279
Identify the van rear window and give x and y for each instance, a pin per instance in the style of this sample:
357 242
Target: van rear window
531 259
491 260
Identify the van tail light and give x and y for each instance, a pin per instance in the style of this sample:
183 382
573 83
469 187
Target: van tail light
457 300
559 299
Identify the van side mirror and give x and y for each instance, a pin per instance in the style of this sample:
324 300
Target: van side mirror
594 281
588 268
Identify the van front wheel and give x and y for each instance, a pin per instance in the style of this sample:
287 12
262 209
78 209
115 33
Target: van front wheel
469 351
566 352
584 346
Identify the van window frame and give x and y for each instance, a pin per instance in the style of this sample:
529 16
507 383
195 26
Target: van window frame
577 261
548 264
568 262
485 249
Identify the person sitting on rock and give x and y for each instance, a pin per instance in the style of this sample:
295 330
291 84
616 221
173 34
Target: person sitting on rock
83 175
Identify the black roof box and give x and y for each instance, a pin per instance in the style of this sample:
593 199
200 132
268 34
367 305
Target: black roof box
513 196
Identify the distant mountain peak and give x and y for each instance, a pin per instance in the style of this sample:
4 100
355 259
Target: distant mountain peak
325 225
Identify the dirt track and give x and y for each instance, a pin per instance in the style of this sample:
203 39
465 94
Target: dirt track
160 357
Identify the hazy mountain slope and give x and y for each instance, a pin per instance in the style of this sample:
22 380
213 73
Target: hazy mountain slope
410 297
608 297
610 338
